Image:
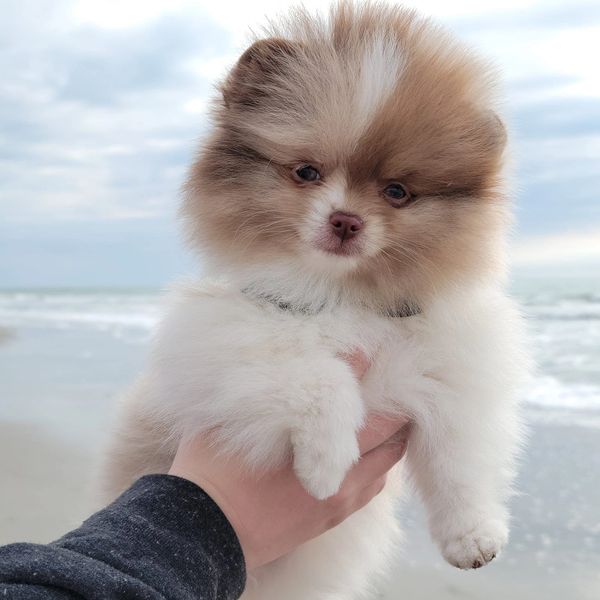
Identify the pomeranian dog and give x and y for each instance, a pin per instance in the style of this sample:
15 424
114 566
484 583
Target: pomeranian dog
349 196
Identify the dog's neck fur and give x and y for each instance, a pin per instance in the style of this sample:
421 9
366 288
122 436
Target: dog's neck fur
296 289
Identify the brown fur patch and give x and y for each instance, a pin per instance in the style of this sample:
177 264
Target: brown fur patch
292 99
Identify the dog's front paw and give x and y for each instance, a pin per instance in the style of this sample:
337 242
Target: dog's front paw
477 547
321 464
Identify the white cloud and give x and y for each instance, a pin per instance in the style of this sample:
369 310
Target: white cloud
574 53
124 14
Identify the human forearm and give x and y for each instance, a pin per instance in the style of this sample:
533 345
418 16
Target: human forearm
163 538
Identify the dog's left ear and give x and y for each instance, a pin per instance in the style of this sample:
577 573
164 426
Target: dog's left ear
260 65
493 132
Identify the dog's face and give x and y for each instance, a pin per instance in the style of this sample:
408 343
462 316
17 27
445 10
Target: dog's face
364 148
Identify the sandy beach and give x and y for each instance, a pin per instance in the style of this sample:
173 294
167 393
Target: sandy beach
554 550
43 484
5 334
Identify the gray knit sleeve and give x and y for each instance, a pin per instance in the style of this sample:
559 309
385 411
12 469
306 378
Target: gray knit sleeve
164 538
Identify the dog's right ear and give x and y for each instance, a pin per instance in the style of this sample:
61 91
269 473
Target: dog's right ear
260 64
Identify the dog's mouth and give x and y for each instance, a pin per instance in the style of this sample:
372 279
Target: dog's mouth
339 247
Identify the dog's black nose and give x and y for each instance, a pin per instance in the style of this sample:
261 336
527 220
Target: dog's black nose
345 226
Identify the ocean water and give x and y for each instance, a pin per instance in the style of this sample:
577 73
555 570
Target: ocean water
563 314
96 339
66 355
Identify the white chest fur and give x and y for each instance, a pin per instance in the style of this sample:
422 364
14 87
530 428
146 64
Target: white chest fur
271 384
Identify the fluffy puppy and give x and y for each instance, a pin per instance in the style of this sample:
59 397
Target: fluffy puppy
350 195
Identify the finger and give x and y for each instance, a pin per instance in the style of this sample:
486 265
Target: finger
358 361
360 498
376 463
378 429
372 490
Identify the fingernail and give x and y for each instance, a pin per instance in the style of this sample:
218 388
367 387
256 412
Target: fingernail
400 441
403 420
402 446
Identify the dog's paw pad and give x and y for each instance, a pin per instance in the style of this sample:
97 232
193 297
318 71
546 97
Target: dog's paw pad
476 548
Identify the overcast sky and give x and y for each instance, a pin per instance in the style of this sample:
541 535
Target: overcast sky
102 104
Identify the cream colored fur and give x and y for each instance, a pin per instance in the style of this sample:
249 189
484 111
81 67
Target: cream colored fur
269 383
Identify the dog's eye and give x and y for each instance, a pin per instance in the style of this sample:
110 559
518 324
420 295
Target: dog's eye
396 194
307 173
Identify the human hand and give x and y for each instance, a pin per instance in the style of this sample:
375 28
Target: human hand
271 513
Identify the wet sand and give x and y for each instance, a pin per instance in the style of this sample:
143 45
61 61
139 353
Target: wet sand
45 484
5 334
